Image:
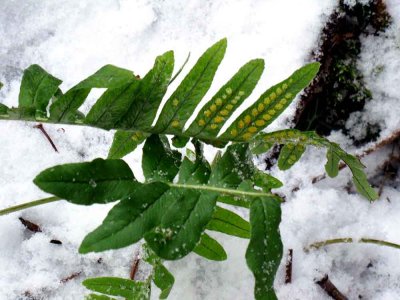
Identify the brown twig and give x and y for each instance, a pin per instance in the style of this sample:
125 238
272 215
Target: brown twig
30 226
135 266
288 267
70 277
330 288
41 128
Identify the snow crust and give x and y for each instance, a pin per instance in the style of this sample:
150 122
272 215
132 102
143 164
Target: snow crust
72 39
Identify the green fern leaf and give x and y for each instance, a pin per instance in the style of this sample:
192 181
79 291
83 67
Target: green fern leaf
180 106
37 88
270 105
209 248
214 114
299 138
109 76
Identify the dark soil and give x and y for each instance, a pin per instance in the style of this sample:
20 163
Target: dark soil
339 89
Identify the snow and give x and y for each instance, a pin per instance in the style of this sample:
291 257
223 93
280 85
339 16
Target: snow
72 39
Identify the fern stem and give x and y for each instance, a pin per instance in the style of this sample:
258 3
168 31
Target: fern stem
318 245
222 190
26 205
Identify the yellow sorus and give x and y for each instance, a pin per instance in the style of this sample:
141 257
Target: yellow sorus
290 162
218 101
234 132
290 146
288 95
202 122
284 86
224 112
260 107
241 124
219 119
247 136
267 117
207 113
271 112
290 134
252 129
228 91
241 93
279 106
260 123
267 101
134 138
293 157
237 98
229 106
234 101
273 96
213 107
175 123
214 126
224 96
283 101
254 112
175 102
278 91
290 80
247 119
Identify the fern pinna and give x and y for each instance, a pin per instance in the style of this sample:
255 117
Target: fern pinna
177 204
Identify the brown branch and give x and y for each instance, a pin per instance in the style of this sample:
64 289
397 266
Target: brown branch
288 267
41 128
330 288
70 277
30 226
135 266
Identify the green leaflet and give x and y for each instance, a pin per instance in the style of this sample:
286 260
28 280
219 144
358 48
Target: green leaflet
141 112
130 219
235 166
109 76
226 221
180 141
264 252
37 88
210 248
161 277
3 109
125 142
109 108
270 105
290 154
99 181
180 106
266 181
332 164
159 162
182 224
309 138
114 286
214 114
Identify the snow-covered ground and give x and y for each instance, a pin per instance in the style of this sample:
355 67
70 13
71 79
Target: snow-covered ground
72 39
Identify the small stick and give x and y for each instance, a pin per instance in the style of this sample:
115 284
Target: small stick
135 266
72 276
289 263
330 288
41 128
30 226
